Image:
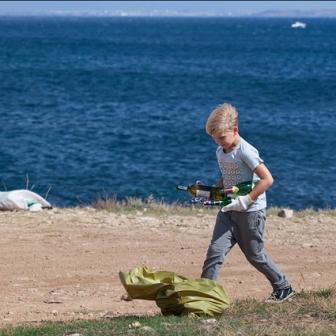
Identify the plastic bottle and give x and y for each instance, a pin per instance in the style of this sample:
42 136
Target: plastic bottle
34 206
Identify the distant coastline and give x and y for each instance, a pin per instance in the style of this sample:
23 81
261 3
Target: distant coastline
298 13
323 13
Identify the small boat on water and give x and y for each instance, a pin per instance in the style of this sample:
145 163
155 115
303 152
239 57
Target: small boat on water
298 24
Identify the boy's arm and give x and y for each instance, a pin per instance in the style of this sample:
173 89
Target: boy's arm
266 180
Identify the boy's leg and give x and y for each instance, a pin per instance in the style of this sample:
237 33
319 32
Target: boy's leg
221 243
249 230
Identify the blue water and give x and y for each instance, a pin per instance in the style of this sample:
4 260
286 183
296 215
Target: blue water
98 107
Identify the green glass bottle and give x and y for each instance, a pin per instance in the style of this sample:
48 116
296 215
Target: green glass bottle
201 190
240 189
217 194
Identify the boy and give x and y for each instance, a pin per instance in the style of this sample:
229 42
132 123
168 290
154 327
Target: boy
243 220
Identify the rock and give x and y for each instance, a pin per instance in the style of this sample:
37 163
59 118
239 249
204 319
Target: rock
125 297
211 321
286 213
134 325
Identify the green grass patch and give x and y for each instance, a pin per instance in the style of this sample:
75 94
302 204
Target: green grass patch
309 313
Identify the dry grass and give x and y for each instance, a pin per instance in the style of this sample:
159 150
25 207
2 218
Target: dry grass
311 313
149 206
155 207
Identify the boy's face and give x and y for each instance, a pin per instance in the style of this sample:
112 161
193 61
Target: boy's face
226 139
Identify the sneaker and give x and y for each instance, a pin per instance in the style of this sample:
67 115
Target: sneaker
281 295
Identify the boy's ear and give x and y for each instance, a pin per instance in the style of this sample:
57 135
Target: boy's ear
235 130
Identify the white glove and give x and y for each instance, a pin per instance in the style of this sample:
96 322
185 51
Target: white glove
241 203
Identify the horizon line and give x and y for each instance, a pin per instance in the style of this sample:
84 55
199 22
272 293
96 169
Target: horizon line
147 15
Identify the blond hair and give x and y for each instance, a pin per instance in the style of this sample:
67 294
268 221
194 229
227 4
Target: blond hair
223 118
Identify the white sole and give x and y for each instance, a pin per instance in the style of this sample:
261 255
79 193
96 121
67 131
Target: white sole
280 301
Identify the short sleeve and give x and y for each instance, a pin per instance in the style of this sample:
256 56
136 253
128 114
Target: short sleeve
250 156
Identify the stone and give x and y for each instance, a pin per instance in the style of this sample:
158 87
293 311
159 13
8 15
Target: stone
134 325
125 297
209 321
286 213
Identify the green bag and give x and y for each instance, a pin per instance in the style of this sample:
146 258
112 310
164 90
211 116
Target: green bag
174 293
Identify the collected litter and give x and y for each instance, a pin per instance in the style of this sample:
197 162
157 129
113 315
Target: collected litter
22 199
175 294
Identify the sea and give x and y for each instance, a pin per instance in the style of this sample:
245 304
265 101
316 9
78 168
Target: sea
115 107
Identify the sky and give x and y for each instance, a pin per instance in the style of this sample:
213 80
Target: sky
235 7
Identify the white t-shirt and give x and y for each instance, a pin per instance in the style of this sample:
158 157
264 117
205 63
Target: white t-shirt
238 166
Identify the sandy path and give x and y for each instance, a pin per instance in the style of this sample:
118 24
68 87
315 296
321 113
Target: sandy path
63 264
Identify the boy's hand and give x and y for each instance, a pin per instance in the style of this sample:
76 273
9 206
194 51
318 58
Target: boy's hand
238 204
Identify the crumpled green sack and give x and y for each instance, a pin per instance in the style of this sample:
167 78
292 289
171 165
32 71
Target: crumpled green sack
174 293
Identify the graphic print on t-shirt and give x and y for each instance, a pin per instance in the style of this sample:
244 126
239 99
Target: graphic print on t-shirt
231 173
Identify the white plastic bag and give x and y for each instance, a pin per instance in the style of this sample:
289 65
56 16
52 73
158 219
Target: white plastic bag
22 200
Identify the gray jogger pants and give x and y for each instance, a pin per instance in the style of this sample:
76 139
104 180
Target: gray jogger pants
246 229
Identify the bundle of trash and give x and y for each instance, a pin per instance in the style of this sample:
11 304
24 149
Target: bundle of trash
175 294
22 199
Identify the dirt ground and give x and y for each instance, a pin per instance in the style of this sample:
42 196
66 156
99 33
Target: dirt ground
63 264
